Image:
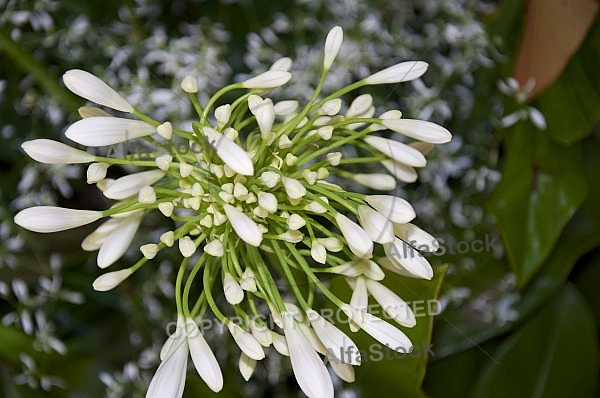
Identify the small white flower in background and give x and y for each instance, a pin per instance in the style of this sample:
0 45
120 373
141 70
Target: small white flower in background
252 199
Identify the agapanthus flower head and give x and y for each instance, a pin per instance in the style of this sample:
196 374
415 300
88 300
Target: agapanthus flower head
258 192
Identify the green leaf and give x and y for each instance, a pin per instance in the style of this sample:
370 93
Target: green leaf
543 184
572 104
459 330
554 355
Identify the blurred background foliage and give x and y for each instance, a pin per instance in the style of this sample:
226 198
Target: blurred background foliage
518 319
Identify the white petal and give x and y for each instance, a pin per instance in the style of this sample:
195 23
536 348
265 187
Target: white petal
310 372
378 227
229 152
232 289
394 306
398 151
261 332
359 106
379 329
169 379
244 226
357 239
90 87
403 255
333 43
131 184
378 181
268 79
168 346
284 108
402 72
416 237
53 219
331 107
335 341
117 242
393 208
359 299
401 171
104 130
203 358
111 279
282 64
355 268
419 130
54 152
247 366
343 370
265 115
247 343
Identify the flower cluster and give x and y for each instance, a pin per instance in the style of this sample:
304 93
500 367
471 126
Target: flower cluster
257 202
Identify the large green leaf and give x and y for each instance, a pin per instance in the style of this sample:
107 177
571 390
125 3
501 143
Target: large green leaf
572 104
542 186
554 355
457 330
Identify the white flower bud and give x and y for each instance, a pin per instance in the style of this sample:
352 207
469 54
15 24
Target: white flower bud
379 181
110 280
222 114
333 43
398 151
318 252
293 188
267 201
269 79
147 195
270 178
419 130
331 107
233 291
214 248
168 238
325 132
165 130
149 250
163 162
284 108
402 72
291 236
334 158
243 226
295 222
283 64
96 172
359 106
54 152
187 247
54 219
189 84
166 208
248 281
90 87
357 239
